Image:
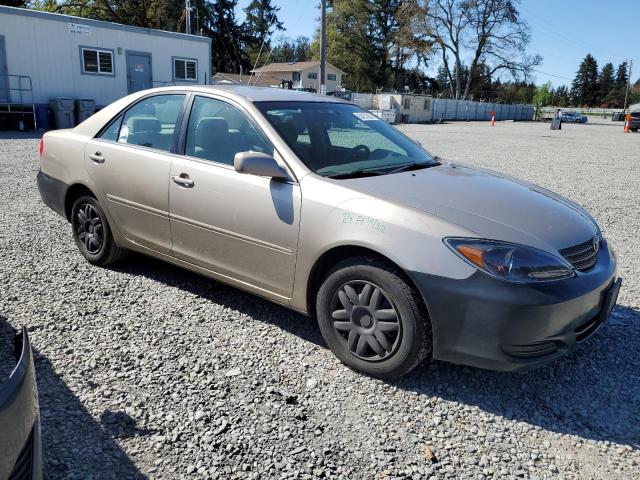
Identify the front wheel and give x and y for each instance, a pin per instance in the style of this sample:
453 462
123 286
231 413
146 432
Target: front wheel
372 319
92 233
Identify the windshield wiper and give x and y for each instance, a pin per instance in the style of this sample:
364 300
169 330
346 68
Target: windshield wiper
409 166
363 172
360 172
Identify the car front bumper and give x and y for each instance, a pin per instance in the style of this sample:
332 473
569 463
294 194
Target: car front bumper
489 323
20 442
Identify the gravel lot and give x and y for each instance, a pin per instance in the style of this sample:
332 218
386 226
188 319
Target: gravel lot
146 370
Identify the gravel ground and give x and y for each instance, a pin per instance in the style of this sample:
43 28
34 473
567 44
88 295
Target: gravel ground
146 370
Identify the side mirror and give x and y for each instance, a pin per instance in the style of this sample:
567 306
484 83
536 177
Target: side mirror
260 164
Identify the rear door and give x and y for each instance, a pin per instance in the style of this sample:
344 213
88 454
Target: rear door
130 162
139 76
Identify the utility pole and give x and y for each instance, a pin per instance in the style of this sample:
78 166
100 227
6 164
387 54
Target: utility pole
187 7
626 93
323 45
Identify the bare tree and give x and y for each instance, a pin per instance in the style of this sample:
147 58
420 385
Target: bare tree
491 32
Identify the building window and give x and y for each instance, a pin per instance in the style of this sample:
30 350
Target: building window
185 69
313 75
331 76
295 76
97 62
426 104
407 103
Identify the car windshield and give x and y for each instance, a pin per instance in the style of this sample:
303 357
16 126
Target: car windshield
341 140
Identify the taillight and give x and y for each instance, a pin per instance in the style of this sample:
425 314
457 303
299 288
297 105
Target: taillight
41 146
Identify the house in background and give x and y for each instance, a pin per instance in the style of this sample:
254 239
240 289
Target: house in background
303 75
253 80
47 55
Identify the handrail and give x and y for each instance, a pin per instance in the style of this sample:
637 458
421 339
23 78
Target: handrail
24 85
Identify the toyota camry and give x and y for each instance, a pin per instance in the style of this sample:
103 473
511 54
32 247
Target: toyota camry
318 205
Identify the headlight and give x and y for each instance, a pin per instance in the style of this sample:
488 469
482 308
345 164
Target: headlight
509 261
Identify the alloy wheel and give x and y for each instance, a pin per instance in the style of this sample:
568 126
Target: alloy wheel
89 228
364 317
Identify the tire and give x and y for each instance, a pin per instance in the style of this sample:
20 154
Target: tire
634 130
365 336
92 233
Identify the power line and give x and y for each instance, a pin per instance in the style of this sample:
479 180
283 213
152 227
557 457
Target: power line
552 75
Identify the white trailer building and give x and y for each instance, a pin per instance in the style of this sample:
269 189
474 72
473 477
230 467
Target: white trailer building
47 55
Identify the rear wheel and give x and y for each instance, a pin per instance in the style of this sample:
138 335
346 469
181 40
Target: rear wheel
372 319
92 233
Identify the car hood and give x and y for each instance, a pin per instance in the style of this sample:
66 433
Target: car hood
490 204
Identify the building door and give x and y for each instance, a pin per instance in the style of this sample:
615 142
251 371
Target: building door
4 72
138 71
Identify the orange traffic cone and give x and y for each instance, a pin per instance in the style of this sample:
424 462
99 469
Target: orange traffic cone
493 118
627 120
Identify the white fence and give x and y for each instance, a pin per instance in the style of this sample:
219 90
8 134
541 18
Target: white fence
423 108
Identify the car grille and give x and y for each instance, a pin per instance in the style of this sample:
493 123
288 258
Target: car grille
22 468
583 256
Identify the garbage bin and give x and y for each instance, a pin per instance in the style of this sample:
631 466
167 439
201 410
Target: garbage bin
62 109
84 108
42 116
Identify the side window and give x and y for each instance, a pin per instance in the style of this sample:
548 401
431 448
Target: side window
151 122
111 132
217 131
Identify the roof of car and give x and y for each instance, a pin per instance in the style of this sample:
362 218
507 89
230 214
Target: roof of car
260 94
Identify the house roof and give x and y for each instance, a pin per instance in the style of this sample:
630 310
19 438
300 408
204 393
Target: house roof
261 80
290 67
99 23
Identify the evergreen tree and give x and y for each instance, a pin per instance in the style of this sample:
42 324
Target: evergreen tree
260 23
561 96
227 38
288 50
352 45
620 84
606 82
584 89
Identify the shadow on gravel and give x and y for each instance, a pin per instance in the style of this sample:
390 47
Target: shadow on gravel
74 445
593 392
122 425
222 294
17 135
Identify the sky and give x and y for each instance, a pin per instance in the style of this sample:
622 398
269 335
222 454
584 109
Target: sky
562 31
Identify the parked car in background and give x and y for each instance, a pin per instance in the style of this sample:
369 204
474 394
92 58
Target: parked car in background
617 117
320 206
634 121
20 444
572 117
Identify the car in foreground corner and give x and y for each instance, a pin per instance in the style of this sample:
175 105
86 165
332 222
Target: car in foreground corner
20 443
318 205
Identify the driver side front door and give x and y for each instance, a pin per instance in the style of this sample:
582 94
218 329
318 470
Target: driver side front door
242 227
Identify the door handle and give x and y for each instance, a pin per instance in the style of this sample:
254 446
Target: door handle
97 157
183 180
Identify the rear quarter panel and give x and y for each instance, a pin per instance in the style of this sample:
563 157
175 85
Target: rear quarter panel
63 157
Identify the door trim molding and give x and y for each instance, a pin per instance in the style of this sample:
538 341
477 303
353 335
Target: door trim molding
137 206
227 233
